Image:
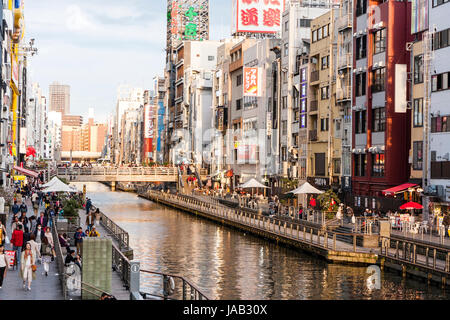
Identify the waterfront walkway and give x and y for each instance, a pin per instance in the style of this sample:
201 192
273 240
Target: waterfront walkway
43 288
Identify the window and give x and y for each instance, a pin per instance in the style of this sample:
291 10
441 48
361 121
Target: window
284 127
324 93
361 7
325 62
319 34
379 41
440 124
360 84
210 58
360 121
325 31
378 165
418 69
337 166
286 49
439 82
319 164
378 77
379 119
304 23
418 113
417 155
239 80
283 154
439 2
441 39
314 36
324 124
238 104
284 102
360 165
361 45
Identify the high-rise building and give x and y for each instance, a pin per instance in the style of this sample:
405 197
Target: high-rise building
186 20
59 96
381 120
72 120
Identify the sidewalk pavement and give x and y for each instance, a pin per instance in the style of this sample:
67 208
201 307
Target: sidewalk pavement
43 288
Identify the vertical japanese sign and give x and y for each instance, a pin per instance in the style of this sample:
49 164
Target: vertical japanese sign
419 15
251 82
258 16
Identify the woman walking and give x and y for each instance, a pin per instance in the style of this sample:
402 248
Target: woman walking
28 267
4 265
35 247
48 250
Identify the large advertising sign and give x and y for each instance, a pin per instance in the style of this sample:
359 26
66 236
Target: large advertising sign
419 15
15 73
400 88
251 82
258 16
148 122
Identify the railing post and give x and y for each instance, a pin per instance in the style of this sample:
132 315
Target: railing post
334 241
354 243
326 240
434 258
427 253
396 249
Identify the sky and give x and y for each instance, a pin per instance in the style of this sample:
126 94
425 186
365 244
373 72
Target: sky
96 45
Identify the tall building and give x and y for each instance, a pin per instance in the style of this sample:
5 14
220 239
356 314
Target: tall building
381 121
324 118
72 120
59 98
186 20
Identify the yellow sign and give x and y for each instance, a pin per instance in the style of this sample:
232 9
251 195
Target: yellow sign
19 178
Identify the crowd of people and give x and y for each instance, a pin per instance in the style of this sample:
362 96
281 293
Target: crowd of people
31 234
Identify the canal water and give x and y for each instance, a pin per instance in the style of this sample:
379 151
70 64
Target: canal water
228 264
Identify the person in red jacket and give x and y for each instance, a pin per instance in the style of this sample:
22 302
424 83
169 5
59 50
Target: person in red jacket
17 242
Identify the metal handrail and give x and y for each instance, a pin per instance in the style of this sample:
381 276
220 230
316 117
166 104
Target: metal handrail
274 227
121 264
188 288
115 230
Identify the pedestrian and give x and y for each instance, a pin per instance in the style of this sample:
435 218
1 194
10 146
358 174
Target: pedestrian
17 241
88 205
28 267
33 224
35 247
34 198
15 208
42 220
26 237
4 265
79 235
63 242
71 257
90 220
23 208
94 233
2 234
47 250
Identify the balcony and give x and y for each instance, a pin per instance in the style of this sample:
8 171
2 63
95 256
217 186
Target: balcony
345 61
344 94
312 135
314 105
314 76
344 22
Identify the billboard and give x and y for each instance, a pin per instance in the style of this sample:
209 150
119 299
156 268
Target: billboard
252 82
247 154
257 16
419 15
148 122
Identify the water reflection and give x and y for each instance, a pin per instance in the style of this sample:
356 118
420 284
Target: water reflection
227 264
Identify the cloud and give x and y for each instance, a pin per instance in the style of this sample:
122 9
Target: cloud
77 20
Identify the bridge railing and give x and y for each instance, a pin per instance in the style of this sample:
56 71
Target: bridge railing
105 171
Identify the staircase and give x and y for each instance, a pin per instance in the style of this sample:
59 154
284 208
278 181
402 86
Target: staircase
348 239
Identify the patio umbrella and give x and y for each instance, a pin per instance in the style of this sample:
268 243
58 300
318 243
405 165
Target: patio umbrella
306 188
59 186
51 182
411 206
252 183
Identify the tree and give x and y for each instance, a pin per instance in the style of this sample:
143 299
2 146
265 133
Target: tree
326 202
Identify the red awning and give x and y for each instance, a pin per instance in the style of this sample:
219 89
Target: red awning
411 205
400 188
26 172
